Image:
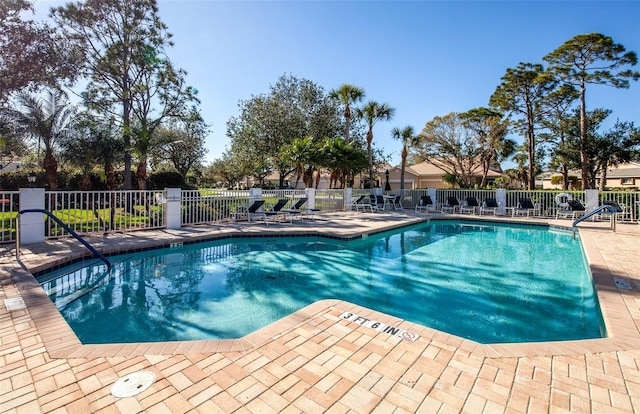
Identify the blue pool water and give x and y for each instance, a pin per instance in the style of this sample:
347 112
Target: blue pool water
487 282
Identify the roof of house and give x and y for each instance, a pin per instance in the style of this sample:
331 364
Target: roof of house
626 170
432 168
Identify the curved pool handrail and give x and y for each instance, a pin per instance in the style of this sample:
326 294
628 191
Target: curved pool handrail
68 229
605 208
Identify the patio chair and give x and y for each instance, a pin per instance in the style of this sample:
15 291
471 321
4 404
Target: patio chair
624 212
490 205
357 202
369 203
276 211
470 206
525 207
426 204
388 201
296 208
574 209
252 210
452 205
365 204
397 203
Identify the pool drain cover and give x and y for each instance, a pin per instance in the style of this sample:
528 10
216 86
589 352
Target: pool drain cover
132 384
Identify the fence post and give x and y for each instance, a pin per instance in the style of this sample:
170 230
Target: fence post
31 224
501 199
346 198
310 194
432 192
255 194
173 218
592 199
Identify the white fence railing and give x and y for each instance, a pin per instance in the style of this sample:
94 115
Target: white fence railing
210 206
9 204
87 212
122 211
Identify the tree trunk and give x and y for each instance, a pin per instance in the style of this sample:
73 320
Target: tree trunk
603 177
347 117
369 154
110 174
565 177
583 138
404 164
51 171
531 151
85 182
141 173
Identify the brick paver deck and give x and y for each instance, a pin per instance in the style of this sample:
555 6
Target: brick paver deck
314 361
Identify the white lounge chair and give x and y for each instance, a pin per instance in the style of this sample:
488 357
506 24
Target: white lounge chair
490 205
470 206
426 204
452 206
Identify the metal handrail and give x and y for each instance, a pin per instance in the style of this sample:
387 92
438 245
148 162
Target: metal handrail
606 209
64 226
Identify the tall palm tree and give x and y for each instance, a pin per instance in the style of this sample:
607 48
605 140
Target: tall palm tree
408 138
47 119
372 113
347 95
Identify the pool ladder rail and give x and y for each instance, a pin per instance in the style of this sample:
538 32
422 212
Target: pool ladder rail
64 226
610 209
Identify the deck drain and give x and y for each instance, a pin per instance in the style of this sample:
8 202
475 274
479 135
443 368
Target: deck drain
13 304
132 384
622 283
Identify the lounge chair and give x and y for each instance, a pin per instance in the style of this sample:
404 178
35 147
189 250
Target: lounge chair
426 204
452 205
296 208
362 203
249 212
624 212
365 204
490 205
276 211
470 206
574 209
357 203
525 207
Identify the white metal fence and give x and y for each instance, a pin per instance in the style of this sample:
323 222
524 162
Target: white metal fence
122 211
87 212
9 204
210 206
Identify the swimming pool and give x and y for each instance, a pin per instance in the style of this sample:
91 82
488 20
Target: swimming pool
487 282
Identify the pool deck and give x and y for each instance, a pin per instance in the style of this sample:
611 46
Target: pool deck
315 361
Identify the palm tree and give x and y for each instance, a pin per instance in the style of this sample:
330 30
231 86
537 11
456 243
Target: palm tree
347 95
301 153
372 113
46 119
342 160
409 139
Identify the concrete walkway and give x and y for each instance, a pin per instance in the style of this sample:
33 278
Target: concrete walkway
315 360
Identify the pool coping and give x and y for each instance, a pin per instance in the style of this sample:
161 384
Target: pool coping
61 342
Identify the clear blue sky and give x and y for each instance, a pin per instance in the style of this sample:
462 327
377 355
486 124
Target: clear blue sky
424 58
